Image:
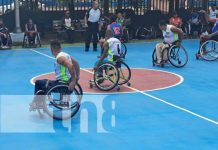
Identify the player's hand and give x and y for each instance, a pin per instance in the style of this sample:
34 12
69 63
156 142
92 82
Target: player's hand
86 25
72 85
178 44
95 69
207 37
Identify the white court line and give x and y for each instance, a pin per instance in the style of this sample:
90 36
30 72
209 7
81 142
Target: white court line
157 89
151 96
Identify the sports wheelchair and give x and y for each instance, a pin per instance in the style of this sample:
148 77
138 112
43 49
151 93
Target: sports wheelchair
58 101
176 56
8 43
208 51
113 74
27 43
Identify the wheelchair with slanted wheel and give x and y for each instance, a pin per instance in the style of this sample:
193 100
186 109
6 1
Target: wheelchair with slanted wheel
208 51
176 56
31 43
110 75
58 101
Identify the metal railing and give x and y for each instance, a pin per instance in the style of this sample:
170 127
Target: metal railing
140 7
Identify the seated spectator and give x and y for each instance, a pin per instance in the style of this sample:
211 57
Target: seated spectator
195 23
104 21
4 34
176 20
67 25
213 11
120 19
31 31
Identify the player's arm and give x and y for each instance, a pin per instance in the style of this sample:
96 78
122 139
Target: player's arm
35 28
77 68
86 19
179 32
104 54
26 28
63 61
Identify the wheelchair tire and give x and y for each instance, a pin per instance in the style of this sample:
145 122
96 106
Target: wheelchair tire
124 69
208 50
57 109
175 58
154 57
106 81
123 50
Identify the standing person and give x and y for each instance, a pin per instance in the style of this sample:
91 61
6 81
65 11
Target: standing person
92 18
67 24
31 31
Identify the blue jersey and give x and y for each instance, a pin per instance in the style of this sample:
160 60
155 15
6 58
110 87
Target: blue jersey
117 30
215 28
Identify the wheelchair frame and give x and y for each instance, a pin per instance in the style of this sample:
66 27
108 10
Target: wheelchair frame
26 43
201 53
9 43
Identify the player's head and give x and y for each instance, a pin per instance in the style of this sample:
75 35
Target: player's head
95 4
119 15
162 25
109 34
175 14
55 47
113 18
67 13
30 21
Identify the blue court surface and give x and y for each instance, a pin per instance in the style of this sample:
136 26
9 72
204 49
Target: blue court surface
183 117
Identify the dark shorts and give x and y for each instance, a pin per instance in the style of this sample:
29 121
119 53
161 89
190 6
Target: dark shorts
215 38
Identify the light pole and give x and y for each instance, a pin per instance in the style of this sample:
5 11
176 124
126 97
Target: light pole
17 17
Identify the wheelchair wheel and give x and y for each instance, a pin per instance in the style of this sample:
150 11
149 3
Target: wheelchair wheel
60 103
106 77
154 57
25 41
177 56
123 50
209 50
124 72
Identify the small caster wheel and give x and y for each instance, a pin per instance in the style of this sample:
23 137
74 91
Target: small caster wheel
197 56
118 88
128 84
179 62
90 84
153 63
162 65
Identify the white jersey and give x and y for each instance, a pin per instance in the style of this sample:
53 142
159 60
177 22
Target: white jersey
61 72
213 14
94 15
114 48
67 22
169 36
